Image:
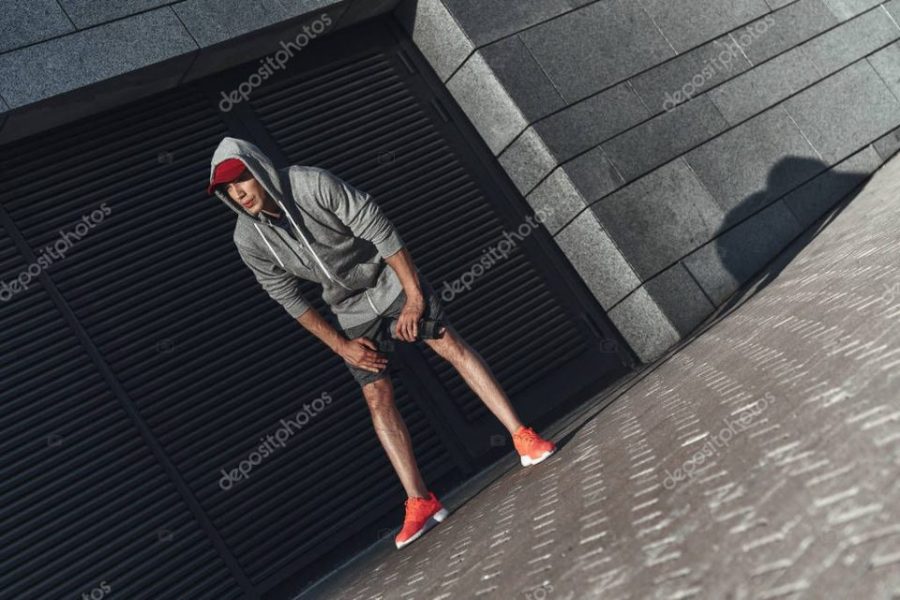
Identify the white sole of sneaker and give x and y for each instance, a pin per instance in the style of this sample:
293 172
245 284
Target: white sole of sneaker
431 522
527 461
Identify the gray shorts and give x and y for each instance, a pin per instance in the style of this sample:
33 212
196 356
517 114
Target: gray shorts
377 329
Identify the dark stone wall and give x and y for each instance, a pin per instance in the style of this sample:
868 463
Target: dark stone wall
61 60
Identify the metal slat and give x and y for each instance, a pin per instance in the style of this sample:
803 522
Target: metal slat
71 512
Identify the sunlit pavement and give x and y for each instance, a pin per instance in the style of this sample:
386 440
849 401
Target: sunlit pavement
760 459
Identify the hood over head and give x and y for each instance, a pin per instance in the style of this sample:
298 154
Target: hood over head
259 165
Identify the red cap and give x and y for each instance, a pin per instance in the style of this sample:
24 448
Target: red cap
227 170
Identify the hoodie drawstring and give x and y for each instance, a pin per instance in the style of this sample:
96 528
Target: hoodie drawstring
254 159
271 249
308 245
275 254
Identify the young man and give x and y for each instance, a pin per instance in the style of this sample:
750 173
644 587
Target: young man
305 222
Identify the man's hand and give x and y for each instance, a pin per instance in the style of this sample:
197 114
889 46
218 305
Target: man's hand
408 321
362 353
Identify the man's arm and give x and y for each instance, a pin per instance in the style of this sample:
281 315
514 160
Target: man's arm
408 320
366 220
282 287
316 324
402 262
360 352
358 211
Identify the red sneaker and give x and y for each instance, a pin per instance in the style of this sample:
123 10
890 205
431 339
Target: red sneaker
421 515
531 447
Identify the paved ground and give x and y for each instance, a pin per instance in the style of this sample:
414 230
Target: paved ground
758 460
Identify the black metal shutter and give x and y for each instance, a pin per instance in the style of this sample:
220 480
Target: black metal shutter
209 362
85 503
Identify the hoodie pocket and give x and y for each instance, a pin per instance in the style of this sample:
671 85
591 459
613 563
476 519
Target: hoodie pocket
365 274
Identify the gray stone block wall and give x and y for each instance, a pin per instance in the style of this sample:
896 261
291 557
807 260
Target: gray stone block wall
61 60
676 145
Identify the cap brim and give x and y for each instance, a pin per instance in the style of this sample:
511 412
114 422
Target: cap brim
228 170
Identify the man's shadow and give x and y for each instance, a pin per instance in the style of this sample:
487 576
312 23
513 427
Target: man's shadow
819 198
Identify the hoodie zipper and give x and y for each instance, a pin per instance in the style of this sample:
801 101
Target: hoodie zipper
308 245
372 304
313 252
272 250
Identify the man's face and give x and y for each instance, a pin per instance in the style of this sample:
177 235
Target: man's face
247 192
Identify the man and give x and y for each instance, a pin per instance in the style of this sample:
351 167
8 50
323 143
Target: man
305 222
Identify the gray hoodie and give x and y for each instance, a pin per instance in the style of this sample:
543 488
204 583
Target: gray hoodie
336 235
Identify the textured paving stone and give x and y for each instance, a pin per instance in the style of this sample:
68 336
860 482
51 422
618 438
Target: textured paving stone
527 160
765 86
597 259
729 261
853 40
212 23
845 112
62 64
893 7
593 174
757 460
811 200
489 21
846 9
887 63
487 103
689 23
675 81
436 34
522 78
589 49
585 124
680 298
87 13
793 23
23 23
660 218
751 165
559 199
664 137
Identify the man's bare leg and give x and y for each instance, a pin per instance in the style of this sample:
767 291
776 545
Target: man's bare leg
476 373
391 430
